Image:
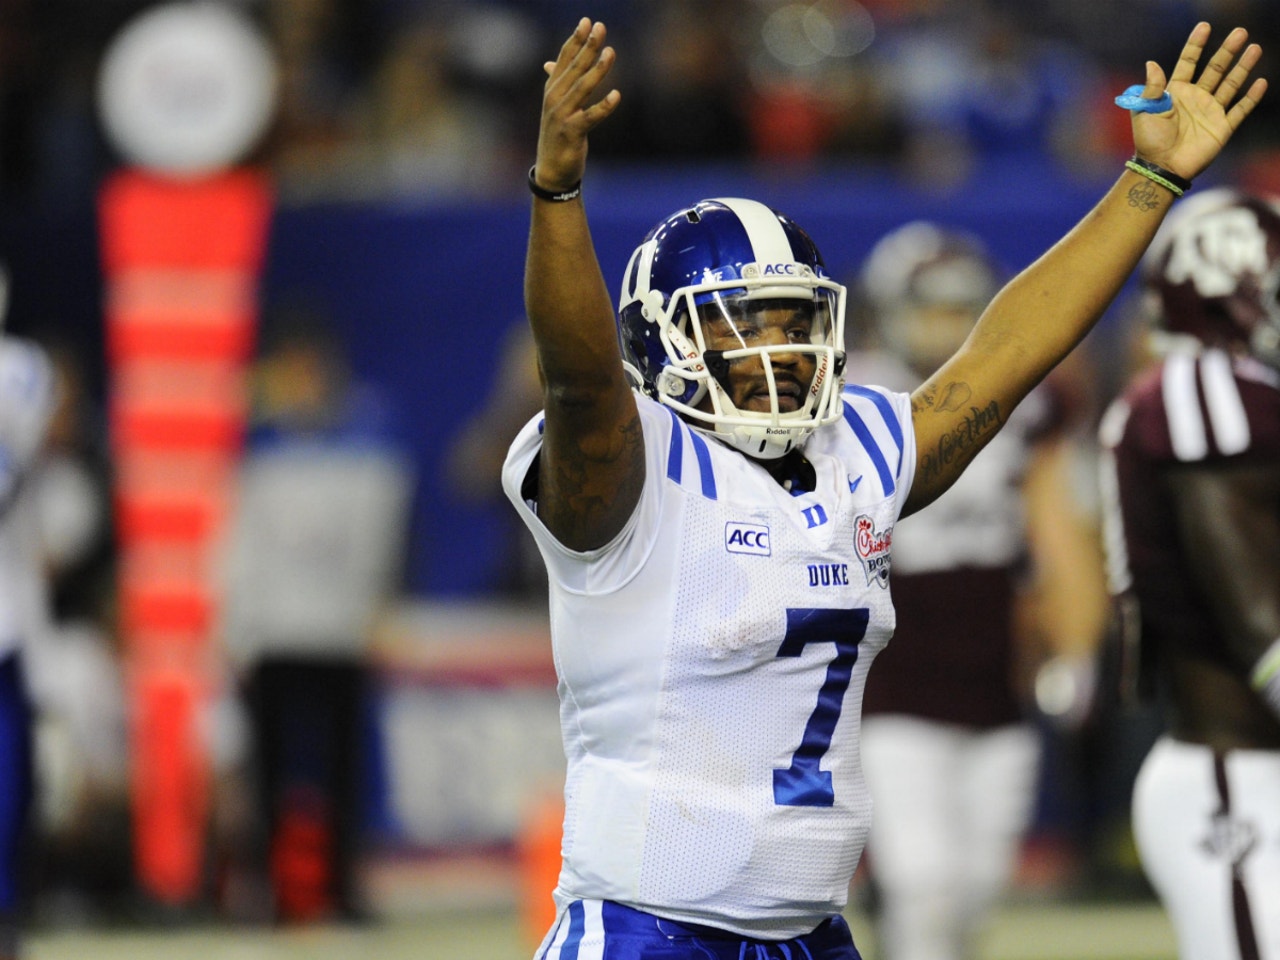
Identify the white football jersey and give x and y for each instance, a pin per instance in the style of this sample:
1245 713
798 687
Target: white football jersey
711 662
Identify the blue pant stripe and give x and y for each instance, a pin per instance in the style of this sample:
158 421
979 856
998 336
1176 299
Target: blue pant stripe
577 925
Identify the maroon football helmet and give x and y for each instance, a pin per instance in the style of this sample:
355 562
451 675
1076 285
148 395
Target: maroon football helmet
1213 273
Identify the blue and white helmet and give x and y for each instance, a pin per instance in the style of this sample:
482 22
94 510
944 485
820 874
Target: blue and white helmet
712 259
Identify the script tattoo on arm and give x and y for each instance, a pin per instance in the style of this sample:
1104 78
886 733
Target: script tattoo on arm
943 464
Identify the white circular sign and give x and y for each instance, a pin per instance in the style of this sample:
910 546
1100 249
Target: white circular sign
187 88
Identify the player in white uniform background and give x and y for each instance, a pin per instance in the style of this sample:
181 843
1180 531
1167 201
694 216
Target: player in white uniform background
27 400
996 577
718 538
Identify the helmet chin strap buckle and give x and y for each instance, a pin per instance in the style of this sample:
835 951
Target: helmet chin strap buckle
684 391
651 305
670 384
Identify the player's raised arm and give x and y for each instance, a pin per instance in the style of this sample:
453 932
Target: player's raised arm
592 464
1048 308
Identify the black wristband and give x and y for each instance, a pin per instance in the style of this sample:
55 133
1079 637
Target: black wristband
1159 174
553 196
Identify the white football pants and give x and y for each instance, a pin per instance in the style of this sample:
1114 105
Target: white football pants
951 805
1208 833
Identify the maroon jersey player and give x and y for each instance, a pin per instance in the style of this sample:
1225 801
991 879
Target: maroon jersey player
1191 480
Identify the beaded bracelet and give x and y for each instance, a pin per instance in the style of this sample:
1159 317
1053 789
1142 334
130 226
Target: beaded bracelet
553 196
1166 178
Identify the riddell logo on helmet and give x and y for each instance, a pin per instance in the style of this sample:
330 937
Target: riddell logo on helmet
818 379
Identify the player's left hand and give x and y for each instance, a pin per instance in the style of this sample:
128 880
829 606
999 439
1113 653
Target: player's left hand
1186 138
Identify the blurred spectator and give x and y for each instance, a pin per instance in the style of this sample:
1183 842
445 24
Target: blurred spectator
75 497
422 114
325 54
971 85
52 151
424 133
816 90
84 859
314 555
425 97
685 92
473 469
992 580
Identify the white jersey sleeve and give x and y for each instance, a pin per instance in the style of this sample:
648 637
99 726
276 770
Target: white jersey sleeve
608 567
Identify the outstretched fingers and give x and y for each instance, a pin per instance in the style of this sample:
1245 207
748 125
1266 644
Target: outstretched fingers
601 108
597 61
1244 106
572 106
1206 109
577 54
582 65
1221 61
1185 68
1234 80
569 49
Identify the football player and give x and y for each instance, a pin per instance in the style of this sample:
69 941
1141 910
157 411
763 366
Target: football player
1192 483
27 400
997 575
716 514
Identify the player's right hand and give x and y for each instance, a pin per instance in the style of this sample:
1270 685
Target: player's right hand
571 107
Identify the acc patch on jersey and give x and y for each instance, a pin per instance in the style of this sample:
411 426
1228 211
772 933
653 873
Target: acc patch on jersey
873 549
752 538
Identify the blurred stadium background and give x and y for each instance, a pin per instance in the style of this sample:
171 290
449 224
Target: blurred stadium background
396 158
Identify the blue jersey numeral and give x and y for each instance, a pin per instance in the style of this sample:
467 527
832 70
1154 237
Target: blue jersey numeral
802 784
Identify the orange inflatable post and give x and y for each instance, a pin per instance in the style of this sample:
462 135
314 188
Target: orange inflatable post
181 261
539 857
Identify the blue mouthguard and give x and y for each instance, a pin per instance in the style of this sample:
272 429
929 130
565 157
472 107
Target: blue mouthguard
1132 99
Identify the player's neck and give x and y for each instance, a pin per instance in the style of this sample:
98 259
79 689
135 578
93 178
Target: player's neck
793 471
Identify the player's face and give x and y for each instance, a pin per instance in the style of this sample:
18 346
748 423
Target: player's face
765 323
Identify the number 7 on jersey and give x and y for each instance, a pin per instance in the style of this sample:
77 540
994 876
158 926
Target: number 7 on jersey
803 784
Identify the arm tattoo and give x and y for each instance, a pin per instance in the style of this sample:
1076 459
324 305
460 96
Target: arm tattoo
582 503
954 397
922 400
955 449
1144 196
